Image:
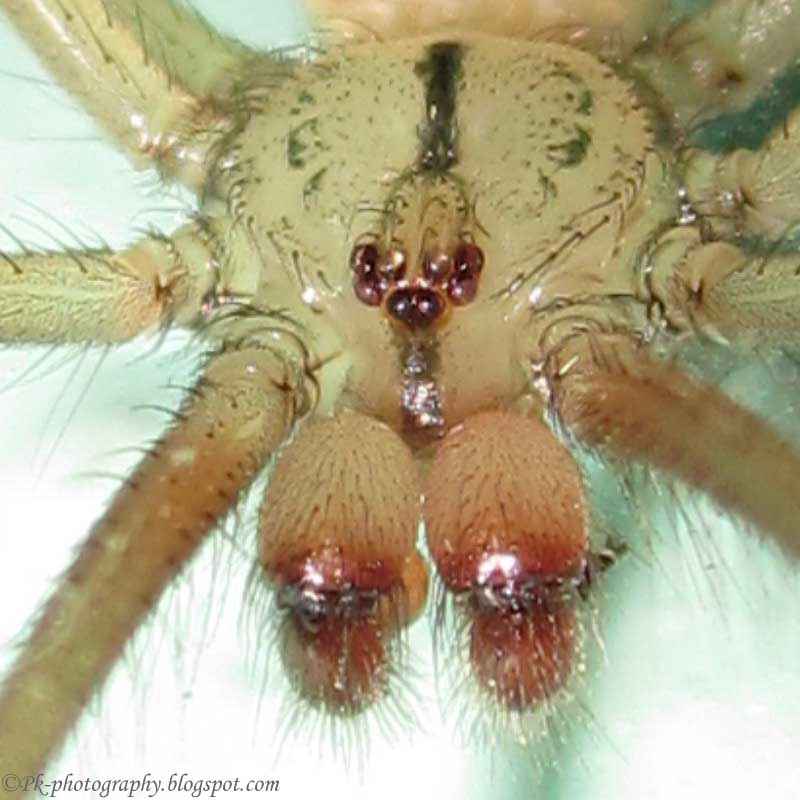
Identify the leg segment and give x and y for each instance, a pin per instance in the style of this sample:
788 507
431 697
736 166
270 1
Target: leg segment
750 192
99 296
616 398
106 55
746 301
720 291
722 58
240 411
625 20
183 44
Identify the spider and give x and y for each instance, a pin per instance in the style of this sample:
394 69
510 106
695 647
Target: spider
565 154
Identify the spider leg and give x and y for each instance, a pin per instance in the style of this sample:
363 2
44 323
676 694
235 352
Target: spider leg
743 299
150 95
613 396
183 44
240 410
722 57
626 20
102 296
745 293
749 192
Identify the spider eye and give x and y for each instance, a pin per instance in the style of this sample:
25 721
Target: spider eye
429 306
375 272
462 288
468 259
416 300
364 260
416 307
368 290
400 304
463 285
393 266
438 266
366 281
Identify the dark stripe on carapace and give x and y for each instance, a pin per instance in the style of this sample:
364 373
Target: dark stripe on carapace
439 70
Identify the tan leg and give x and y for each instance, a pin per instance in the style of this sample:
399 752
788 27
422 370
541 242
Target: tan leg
744 300
750 192
615 397
239 412
743 297
189 50
625 20
724 57
129 79
99 296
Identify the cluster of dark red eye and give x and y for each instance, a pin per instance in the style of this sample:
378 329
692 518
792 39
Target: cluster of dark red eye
417 303
457 272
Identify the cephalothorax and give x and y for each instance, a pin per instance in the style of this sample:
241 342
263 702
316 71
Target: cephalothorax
425 267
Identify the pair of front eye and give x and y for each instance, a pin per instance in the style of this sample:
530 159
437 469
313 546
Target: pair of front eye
381 275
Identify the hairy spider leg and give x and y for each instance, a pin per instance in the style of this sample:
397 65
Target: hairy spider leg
239 411
613 396
152 73
747 300
719 58
177 38
100 296
749 192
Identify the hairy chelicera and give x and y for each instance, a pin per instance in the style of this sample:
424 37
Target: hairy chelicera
440 268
